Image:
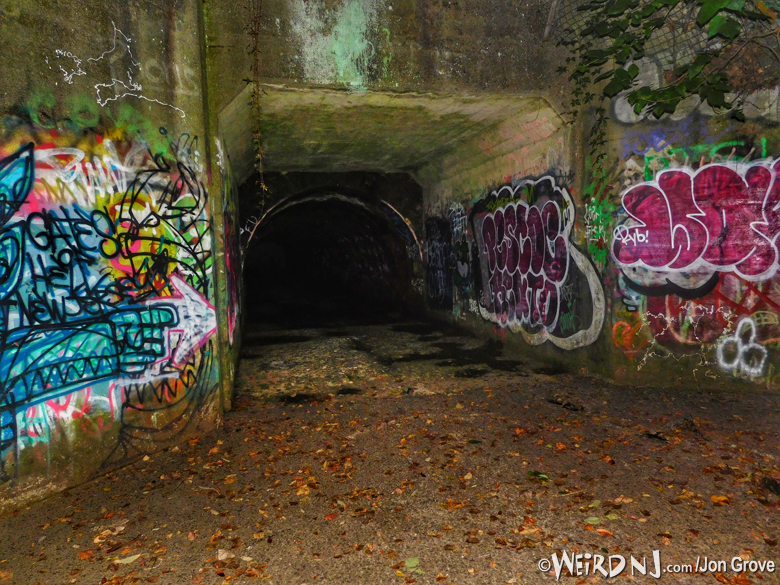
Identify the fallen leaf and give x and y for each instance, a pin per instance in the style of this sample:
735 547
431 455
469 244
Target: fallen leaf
259 535
604 532
441 577
86 555
190 536
331 516
127 560
224 555
592 520
720 500
412 562
6 576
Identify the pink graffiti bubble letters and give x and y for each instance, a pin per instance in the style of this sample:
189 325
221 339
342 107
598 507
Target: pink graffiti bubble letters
719 218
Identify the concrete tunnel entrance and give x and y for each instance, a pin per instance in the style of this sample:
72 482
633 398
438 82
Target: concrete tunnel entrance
354 179
333 252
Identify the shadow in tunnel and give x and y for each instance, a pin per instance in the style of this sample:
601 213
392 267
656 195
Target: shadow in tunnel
330 258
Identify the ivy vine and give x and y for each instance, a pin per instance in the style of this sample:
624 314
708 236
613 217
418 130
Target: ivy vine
607 48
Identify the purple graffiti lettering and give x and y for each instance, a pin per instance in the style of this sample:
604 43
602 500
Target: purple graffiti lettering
524 249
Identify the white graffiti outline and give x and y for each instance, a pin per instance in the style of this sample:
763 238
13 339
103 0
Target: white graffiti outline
68 76
130 89
749 357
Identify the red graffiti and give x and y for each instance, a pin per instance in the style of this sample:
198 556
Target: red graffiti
719 218
704 321
628 338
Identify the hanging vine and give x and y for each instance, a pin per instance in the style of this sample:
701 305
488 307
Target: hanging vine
253 28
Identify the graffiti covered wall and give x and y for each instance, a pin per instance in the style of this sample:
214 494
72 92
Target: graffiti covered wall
503 244
663 258
106 317
107 286
694 247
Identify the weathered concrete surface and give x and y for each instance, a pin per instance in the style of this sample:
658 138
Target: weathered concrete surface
391 45
329 130
354 451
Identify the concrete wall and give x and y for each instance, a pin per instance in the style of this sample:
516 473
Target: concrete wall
690 217
108 285
659 269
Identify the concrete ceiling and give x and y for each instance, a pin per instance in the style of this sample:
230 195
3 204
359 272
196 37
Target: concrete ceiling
334 131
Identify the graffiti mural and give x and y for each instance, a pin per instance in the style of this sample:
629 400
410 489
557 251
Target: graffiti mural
105 280
438 255
534 279
233 260
461 250
695 258
688 226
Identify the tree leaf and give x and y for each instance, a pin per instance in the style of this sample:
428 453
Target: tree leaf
709 9
701 61
617 7
766 11
730 29
715 24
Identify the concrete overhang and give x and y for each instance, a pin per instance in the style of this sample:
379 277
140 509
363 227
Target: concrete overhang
326 130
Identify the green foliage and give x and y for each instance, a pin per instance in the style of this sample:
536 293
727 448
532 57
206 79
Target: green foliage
616 35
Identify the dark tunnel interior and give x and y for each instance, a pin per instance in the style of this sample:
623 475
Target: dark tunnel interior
335 253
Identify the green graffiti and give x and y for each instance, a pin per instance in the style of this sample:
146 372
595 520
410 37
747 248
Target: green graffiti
598 217
598 214
82 111
40 108
388 57
135 123
351 49
334 42
569 320
659 162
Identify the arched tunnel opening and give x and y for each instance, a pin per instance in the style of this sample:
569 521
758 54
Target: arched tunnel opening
331 249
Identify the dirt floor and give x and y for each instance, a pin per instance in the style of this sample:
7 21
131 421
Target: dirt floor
408 453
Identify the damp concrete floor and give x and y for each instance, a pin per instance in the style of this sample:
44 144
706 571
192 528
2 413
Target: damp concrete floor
411 453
